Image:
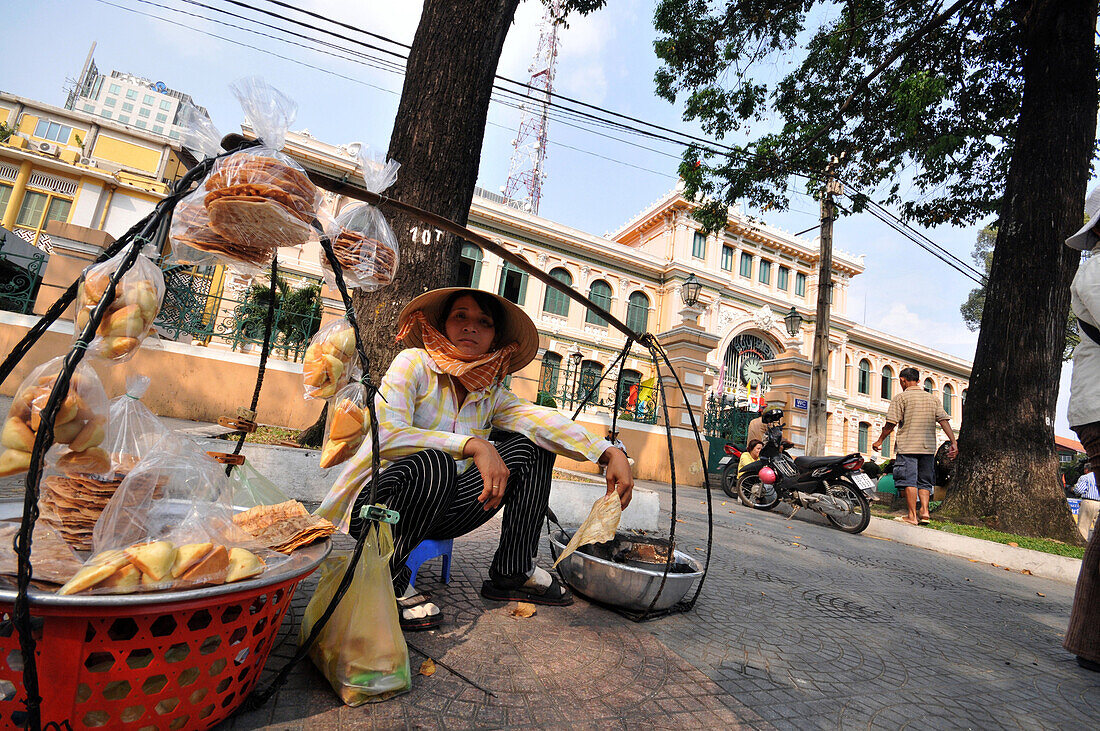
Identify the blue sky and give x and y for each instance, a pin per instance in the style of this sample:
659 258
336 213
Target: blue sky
606 59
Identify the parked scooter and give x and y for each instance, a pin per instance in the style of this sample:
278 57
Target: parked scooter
832 486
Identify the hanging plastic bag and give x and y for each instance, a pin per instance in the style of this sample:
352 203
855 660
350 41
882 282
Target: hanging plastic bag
362 240
169 526
599 526
250 488
361 649
52 559
80 422
129 317
329 360
348 423
77 497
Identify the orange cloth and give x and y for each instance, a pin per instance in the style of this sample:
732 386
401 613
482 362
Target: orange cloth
475 374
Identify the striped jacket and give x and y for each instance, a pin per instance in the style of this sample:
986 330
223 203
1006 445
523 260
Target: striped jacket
421 411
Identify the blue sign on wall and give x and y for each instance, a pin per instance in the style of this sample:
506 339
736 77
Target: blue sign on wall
161 87
801 403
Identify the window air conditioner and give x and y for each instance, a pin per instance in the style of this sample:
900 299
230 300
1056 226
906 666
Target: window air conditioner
48 148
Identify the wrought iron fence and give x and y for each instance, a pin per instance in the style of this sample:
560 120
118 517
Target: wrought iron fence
194 306
723 420
21 271
567 389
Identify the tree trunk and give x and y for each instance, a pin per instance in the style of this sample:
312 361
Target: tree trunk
1007 471
314 436
437 138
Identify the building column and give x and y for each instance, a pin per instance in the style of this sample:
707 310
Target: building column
18 190
790 373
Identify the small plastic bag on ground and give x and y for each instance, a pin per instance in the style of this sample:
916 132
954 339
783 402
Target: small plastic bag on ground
80 423
259 198
169 525
329 360
361 649
599 526
362 240
348 423
250 488
130 315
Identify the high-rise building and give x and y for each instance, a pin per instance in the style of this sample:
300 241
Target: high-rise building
130 100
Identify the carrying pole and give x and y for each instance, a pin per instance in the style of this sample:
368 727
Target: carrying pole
819 370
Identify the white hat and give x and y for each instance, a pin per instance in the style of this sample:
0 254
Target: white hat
1087 237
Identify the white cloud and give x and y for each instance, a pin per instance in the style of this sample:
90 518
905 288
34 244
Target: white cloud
949 337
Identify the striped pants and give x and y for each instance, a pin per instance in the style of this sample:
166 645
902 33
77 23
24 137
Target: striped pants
436 502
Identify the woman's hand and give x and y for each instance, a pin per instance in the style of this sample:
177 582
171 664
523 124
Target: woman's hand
494 473
617 472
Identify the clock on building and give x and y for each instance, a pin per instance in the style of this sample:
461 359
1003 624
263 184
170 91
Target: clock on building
744 360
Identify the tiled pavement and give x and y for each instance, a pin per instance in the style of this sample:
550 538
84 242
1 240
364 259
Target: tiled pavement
799 626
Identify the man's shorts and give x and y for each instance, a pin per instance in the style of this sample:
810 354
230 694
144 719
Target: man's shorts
915 470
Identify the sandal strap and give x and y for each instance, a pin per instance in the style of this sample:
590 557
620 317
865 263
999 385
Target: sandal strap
415 600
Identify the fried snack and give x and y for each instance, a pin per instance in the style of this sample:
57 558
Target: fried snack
260 201
599 526
189 555
125 581
210 569
349 426
328 360
243 564
283 527
52 558
154 559
95 571
79 422
130 315
372 262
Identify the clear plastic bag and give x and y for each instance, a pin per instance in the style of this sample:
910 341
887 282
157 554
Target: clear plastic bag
250 488
129 317
80 422
361 649
362 240
347 425
329 360
169 525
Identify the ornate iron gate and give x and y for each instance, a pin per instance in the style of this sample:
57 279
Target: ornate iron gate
723 422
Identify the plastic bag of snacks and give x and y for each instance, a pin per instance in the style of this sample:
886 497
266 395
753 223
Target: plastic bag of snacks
80 423
348 423
362 240
250 488
363 660
129 316
328 360
77 497
169 526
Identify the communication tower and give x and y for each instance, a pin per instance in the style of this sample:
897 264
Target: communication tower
526 172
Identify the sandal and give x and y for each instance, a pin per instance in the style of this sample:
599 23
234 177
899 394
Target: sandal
417 624
554 595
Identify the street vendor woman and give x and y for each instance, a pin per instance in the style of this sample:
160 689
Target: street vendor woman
443 396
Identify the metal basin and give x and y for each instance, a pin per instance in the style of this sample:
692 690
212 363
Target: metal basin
620 585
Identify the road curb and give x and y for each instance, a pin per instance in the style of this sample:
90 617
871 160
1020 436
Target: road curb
1047 565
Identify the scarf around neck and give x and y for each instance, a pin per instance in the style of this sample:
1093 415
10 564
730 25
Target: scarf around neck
475 373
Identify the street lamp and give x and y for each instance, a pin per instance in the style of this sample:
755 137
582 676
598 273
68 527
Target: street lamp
689 290
793 320
575 358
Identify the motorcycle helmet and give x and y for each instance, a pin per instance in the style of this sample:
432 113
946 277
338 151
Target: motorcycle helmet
767 475
772 415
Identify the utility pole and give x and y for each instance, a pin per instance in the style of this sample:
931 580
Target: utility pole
819 369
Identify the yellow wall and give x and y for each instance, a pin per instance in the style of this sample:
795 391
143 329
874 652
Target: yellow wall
126 153
30 121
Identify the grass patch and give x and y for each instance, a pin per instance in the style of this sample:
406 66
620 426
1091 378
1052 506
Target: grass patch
1045 545
265 435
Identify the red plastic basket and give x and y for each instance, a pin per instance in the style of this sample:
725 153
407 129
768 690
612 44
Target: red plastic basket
172 665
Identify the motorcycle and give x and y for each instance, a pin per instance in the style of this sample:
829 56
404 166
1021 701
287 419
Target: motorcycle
728 466
835 487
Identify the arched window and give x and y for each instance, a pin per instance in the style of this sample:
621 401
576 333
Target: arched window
864 430
929 385
637 312
948 397
589 377
864 381
630 377
600 293
469 265
555 302
513 284
887 386
551 369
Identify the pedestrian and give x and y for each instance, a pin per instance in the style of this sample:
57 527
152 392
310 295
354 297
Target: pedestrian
1083 635
613 437
440 398
1086 485
915 413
